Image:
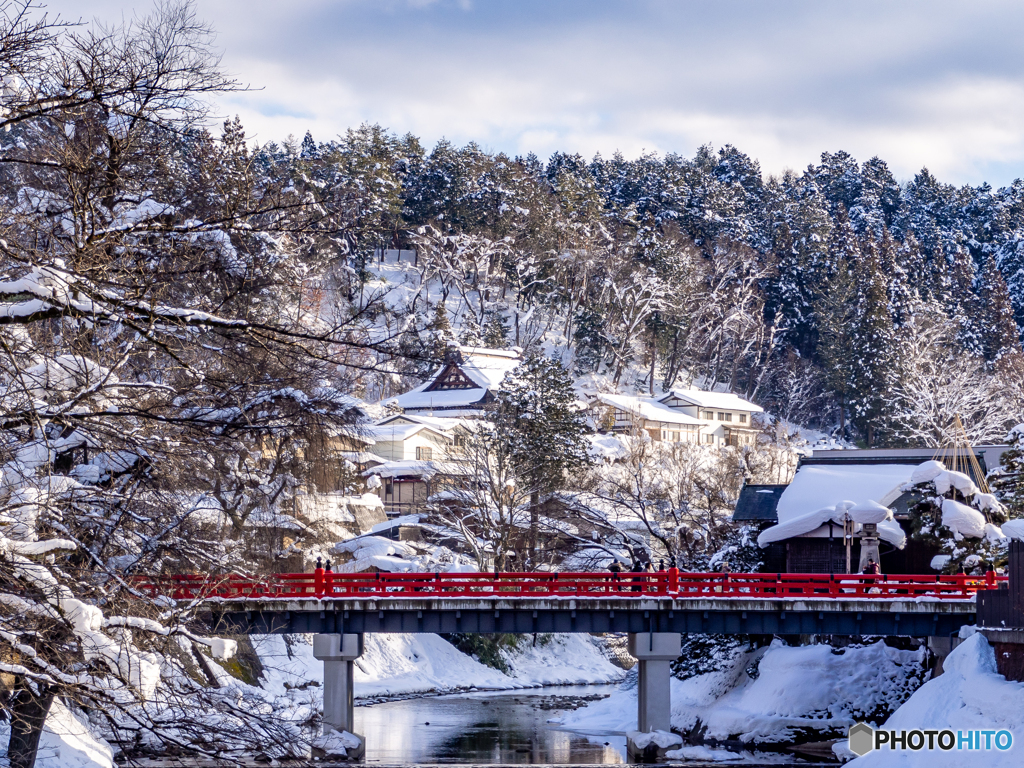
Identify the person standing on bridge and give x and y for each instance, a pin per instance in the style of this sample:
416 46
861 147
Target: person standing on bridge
872 568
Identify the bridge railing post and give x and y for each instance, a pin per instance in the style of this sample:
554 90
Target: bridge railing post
318 582
673 580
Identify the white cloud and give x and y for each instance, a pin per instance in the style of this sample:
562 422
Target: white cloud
916 83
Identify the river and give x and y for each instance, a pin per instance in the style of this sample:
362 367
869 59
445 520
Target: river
500 727
485 727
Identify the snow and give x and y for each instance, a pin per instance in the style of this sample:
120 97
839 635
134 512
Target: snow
888 530
375 552
822 493
65 743
337 743
723 400
950 479
663 739
223 649
650 410
816 486
970 694
413 468
870 512
814 688
927 472
962 520
396 664
568 659
396 433
704 754
1013 529
608 447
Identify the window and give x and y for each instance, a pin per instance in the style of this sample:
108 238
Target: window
709 439
389 488
724 416
460 443
743 418
424 454
675 437
664 435
709 415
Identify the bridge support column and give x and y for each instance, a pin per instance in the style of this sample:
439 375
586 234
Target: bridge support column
654 652
338 652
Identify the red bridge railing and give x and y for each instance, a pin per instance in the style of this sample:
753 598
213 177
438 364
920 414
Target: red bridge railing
672 583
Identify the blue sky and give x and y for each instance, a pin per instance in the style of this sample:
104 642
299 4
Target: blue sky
937 84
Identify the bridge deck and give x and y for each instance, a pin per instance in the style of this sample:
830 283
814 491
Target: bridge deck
669 601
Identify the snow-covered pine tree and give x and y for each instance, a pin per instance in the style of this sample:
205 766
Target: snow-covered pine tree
1007 480
875 365
537 415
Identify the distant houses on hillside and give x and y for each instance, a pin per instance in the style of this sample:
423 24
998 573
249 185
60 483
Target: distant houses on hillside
681 416
420 444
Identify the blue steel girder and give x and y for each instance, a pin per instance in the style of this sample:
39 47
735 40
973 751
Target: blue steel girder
828 617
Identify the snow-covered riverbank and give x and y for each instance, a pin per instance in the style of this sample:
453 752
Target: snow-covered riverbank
403 664
776 694
392 665
969 695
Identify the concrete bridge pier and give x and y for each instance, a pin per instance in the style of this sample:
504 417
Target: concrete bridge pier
654 652
338 652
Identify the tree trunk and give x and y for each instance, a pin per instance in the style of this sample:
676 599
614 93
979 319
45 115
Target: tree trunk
28 716
534 523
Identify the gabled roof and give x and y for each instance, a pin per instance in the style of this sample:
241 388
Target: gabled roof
442 423
817 486
703 399
649 410
394 433
486 368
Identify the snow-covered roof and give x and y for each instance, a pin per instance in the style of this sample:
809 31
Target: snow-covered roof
888 529
816 486
485 367
395 433
442 423
704 399
650 410
411 468
441 399
820 493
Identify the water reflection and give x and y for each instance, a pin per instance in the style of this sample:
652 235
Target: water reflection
483 727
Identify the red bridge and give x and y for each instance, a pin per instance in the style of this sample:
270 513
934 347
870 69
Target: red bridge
652 607
327 585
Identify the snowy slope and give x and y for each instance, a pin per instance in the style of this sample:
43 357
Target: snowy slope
968 695
812 688
404 664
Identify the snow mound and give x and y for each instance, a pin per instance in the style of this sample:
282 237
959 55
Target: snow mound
968 695
662 739
704 754
337 743
927 472
1013 529
870 512
962 520
950 479
398 664
65 743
